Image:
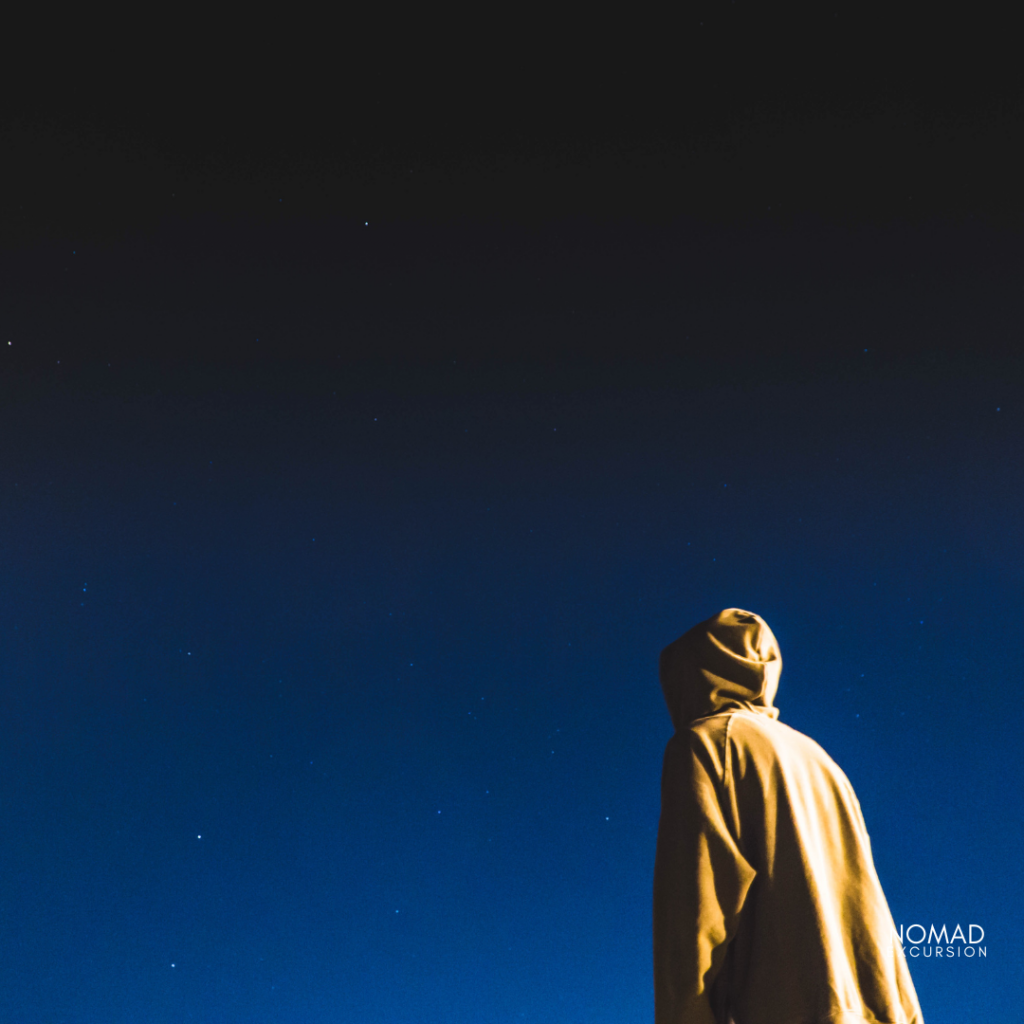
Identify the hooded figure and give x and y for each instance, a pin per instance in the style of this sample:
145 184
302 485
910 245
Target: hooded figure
767 908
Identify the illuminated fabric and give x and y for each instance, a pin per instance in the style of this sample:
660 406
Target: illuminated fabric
767 907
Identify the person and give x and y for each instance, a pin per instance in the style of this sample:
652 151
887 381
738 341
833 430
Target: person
767 907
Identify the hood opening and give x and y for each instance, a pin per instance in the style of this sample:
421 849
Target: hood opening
730 661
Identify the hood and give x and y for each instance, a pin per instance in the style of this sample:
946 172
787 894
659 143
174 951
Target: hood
730 661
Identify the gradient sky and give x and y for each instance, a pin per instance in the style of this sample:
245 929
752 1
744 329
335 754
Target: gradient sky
330 692
375 406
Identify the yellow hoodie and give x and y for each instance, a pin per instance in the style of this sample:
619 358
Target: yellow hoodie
767 907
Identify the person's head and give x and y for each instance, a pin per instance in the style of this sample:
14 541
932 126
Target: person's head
730 660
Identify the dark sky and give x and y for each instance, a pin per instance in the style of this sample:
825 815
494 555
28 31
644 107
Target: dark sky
374 407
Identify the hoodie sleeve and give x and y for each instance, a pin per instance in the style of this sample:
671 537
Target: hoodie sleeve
700 883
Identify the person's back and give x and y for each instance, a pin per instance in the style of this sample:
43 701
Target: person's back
767 907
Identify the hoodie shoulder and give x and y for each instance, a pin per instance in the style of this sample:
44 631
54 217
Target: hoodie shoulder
702 743
767 741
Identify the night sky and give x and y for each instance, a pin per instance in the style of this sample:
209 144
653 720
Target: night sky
373 412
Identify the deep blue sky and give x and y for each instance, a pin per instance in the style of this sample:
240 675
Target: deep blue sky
385 635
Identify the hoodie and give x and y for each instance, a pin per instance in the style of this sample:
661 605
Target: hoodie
767 907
